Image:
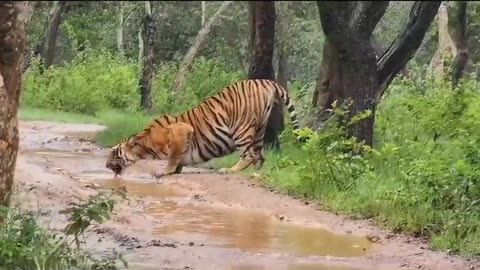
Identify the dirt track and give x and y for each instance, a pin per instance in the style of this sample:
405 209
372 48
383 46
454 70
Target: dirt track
202 220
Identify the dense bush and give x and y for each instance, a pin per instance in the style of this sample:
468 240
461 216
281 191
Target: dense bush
95 82
422 176
92 82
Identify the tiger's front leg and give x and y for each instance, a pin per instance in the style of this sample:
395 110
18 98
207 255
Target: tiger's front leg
179 137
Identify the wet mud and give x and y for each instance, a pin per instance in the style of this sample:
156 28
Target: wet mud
203 220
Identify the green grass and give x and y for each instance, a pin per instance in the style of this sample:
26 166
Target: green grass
34 114
119 124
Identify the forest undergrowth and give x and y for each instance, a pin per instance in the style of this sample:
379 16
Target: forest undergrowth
422 177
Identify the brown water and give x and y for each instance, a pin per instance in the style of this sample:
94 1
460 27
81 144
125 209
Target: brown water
252 231
235 228
219 226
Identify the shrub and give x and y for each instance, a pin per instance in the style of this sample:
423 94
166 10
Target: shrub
90 83
422 177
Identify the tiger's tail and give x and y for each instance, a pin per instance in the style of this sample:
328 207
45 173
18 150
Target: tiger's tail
283 94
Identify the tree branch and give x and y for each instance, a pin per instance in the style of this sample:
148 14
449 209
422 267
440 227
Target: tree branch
197 45
367 15
407 42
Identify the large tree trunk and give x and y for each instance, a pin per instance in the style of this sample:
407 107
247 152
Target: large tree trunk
261 65
12 47
48 51
350 66
351 71
199 42
148 39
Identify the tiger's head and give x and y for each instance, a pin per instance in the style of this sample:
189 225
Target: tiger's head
123 154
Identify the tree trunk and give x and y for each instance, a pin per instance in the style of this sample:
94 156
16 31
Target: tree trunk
199 42
282 72
261 65
252 30
148 38
141 47
12 47
48 52
349 67
405 45
459 34
120 22
446 47
204 13
351 71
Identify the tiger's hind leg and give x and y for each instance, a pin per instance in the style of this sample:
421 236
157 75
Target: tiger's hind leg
258 148
244 144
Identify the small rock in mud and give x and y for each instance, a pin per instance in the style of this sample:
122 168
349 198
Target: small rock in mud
373 238
158 243
91 185
101 230
191 244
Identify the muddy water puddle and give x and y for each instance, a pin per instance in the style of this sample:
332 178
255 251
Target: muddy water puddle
234 228
252 231
217 226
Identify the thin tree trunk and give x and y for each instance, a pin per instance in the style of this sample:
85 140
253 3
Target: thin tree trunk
141 47
120 22
459 34
251 41
148 37
48 54
446 46
204 13
199 42
261 65
282 71
12 47
405 45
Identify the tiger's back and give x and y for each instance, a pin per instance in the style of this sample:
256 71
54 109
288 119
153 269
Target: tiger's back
221 122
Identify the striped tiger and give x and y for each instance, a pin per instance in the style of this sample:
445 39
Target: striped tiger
233 119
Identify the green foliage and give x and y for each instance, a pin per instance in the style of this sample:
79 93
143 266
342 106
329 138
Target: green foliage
205 79
96 82
121 125
90 83
422 177
26 245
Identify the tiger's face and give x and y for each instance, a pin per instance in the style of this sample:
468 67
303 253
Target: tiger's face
120 157
115 162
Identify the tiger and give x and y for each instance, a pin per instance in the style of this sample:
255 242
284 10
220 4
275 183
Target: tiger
232 120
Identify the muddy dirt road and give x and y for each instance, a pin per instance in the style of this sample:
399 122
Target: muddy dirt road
199 219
